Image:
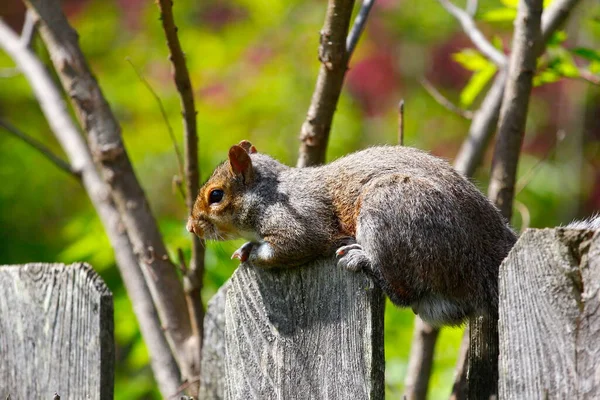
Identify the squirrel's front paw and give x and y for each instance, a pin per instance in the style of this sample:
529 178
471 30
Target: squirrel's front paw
243 252
352 257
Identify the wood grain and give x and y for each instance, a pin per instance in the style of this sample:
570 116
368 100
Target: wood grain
550 316
56 332
314 332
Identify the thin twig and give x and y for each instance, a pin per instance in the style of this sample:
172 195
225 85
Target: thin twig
40 147
193 280
471 7
358 26
478 39
443 101
589 77
29 27
401 123
528 176
163 112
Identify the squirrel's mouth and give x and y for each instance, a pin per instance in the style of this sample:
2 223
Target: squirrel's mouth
206 230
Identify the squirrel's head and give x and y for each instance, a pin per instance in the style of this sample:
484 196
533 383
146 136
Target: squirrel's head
219 198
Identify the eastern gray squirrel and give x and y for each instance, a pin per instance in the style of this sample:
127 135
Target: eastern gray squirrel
423 232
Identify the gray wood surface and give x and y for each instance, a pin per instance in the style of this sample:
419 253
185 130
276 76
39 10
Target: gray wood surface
56 333
550 316
314 332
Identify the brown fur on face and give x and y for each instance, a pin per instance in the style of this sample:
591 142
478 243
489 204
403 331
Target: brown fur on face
215 221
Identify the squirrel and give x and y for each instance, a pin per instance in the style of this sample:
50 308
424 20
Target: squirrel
422 231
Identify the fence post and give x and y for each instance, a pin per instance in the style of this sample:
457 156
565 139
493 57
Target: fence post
314 332
549 324
56 333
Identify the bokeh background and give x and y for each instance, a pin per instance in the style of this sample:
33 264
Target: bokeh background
253 64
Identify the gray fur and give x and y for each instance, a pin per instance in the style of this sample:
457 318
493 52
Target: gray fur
424 233
591 223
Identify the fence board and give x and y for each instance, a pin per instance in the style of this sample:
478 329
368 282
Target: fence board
56 332
314 332
550 316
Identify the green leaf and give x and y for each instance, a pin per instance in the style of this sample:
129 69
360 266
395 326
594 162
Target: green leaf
586 53
499 15
545 76
510 3
557 38
476 84
595 67
471 60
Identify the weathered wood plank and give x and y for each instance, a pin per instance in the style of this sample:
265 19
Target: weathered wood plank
550 316
212 377
56 332
314 332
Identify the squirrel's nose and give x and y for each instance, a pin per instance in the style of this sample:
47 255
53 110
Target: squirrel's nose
190 225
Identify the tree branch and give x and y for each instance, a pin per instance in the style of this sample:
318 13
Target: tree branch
478 39
420 361
104 137
444 102
29 27
485 118
358 26
56 113
40 147
334 63
193 279
511 128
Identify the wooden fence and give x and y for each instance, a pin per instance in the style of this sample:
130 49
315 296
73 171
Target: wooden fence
309 333
56 333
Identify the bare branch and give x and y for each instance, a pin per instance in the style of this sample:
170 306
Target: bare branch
526 48
193 280
40 147
29 28
471 7
104 137
528 176
56 113
163 112
459 388
484 123
401 123
334 63
589 77
420 360
359 26
478 39
444 102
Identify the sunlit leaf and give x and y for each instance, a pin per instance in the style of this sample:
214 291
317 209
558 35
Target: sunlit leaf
499 15
471 60
557 38
588 54
476 84
510 3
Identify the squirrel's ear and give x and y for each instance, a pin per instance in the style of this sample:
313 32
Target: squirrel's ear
246 145
240 162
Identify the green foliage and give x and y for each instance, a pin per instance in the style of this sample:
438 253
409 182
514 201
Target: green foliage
483 71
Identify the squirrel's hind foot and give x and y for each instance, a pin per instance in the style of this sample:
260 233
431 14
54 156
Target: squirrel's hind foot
353 258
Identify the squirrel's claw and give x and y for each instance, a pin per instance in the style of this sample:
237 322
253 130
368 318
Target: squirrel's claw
352 257
243 252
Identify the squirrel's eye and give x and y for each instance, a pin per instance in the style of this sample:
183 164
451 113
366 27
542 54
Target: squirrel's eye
215 196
